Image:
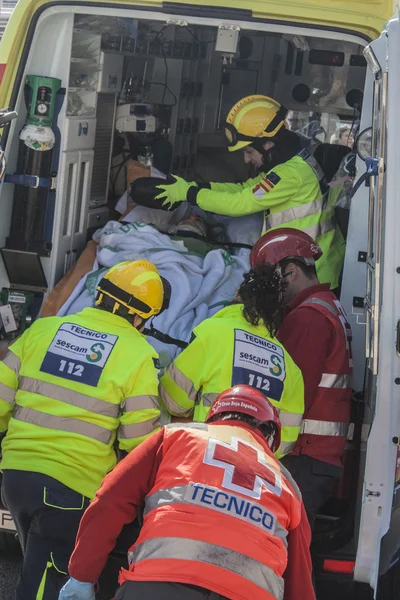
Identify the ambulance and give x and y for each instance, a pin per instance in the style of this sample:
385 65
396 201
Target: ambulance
82 82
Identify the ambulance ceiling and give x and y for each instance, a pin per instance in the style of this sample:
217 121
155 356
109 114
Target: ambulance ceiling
364 16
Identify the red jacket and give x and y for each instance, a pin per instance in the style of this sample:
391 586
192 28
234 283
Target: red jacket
214 495
317 335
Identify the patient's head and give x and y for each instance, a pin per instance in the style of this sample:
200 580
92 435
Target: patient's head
261 293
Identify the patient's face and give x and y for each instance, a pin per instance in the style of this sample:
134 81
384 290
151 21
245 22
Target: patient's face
346 139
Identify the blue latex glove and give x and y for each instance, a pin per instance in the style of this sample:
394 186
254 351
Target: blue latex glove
76 590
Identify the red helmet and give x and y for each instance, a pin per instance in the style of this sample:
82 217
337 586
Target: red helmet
278 244
245 399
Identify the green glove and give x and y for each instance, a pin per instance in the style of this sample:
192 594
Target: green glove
173 193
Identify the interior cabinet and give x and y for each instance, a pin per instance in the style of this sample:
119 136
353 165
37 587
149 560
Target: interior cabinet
71 220
83 74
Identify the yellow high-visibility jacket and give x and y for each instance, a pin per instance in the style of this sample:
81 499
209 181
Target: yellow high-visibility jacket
290 196
226 351
68 388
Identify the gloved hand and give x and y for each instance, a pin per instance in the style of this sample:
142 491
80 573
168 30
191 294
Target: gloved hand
76 590
173 193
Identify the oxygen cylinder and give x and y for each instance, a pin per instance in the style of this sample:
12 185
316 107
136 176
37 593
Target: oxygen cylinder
35 158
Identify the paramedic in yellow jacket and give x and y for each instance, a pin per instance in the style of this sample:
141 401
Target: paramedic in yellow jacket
69 388
289 188
238 346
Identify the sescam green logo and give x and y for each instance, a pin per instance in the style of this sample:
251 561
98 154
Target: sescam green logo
95 352
277 368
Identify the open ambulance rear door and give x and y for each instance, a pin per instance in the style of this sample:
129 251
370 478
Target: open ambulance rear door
379 532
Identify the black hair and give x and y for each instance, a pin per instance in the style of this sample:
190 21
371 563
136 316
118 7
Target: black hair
286 145
261 294
309 270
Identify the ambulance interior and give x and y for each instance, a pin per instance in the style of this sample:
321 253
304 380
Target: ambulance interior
158 93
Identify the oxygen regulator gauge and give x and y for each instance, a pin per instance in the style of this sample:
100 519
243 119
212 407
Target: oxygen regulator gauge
41 108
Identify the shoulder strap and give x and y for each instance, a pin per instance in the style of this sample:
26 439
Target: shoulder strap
163 337
318 172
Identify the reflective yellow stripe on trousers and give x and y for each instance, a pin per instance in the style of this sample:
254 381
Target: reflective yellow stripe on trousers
170 548
42 587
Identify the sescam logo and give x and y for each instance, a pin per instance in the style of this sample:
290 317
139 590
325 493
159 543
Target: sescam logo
277 368
95 354
260 363
78 354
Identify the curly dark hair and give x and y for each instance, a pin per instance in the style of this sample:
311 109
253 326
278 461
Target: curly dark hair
261 294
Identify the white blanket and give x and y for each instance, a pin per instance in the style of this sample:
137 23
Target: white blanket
200 286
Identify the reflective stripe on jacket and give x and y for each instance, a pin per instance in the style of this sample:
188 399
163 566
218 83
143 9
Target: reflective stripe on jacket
68 387
216 479
326 422
227 350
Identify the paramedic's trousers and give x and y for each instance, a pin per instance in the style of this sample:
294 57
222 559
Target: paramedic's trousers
163 590
46 514
316 480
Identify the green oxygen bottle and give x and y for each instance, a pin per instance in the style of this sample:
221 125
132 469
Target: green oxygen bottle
35 157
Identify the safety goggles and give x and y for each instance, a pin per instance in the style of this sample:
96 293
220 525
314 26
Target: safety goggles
234 136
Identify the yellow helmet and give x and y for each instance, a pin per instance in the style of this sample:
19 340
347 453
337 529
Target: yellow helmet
252 118
133 287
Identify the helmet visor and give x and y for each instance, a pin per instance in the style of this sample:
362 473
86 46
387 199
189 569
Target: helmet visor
112 294
234 137
166 295
230 134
